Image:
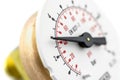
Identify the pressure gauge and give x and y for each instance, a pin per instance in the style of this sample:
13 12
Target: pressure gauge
76 42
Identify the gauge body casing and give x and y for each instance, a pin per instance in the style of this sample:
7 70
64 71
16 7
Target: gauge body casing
67 60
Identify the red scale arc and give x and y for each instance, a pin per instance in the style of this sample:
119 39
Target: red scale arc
71 67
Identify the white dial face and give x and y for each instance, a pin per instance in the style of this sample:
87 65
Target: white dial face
67 60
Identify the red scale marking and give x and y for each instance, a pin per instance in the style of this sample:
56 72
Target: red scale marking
76 66
83 20
72 56
61 23
59 32
69 60
89 54
66 28
73 18
64 51
65 17
60 42
65 43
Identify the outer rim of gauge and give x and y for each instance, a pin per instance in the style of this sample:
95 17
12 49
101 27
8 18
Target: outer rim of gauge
39 48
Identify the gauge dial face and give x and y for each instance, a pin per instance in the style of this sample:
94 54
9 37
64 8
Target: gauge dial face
68 60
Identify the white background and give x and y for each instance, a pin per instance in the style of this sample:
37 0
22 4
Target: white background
14 13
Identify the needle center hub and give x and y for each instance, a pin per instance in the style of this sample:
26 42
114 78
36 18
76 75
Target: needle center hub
87 38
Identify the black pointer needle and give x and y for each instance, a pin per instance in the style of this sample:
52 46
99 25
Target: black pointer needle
84 40
71 39
99 41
